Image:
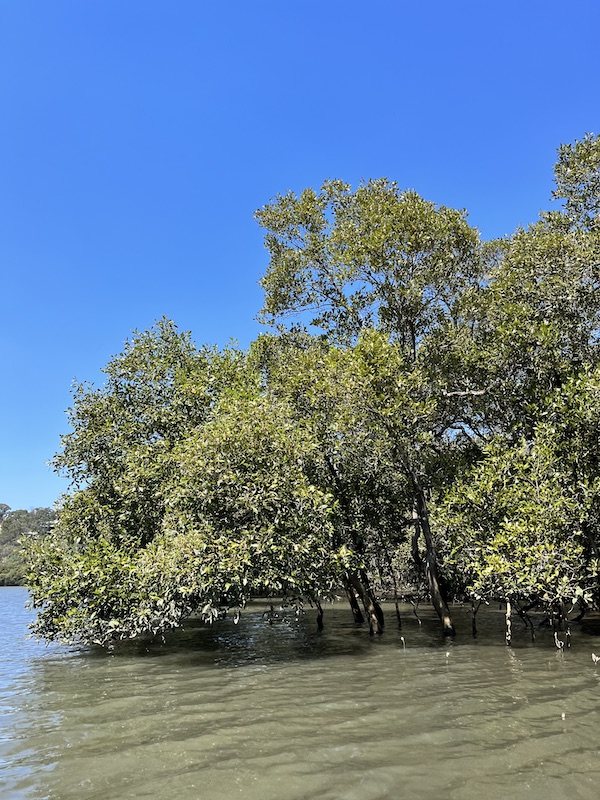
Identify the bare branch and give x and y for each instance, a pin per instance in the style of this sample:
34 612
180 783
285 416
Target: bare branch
466 393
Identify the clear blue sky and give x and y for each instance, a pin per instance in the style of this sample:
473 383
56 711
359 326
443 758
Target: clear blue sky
138 137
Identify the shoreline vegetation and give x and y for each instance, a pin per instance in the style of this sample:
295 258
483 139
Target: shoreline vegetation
423 411
14 526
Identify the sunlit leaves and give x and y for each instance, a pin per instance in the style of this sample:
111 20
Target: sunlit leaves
577 175
374 257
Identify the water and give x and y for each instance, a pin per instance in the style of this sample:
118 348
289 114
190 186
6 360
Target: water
282 712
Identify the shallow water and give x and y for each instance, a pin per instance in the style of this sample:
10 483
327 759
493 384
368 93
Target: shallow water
282 712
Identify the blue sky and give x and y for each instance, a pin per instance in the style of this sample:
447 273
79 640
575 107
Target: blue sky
138 138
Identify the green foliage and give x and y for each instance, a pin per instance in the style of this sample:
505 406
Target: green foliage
538 318
15 526
440 429
374 257
195 497
514 527
330 396
245 474
577 175
123 433
522 523
95 591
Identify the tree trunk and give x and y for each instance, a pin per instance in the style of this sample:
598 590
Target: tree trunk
356 612
565 616
415 604
437 598
319 615
508 630
372 607
392 572
414 542
527 621
397 607
474 610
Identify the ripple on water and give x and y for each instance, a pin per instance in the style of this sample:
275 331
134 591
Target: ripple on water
259 711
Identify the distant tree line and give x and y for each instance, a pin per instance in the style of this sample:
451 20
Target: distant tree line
14 526
422 417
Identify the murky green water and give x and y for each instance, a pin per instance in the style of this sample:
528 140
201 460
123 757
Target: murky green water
282 712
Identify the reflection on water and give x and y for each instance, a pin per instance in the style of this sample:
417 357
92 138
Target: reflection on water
284 712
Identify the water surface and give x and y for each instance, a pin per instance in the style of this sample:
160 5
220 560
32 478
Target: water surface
282 712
